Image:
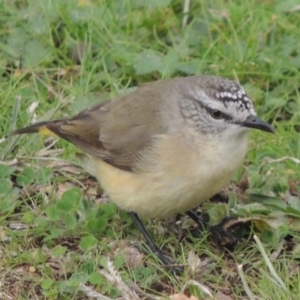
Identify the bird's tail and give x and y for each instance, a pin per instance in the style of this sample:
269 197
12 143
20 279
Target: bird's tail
42 127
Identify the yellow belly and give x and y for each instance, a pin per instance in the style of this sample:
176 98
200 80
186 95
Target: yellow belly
172 180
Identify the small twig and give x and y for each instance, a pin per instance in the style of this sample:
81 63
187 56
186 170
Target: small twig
295 8
17 226
186 9
16 110
270 160
10 163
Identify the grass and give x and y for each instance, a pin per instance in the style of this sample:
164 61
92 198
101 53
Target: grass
59 238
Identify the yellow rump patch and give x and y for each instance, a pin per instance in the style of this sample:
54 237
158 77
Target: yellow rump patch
43 130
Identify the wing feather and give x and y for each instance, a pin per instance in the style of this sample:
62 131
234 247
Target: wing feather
117 130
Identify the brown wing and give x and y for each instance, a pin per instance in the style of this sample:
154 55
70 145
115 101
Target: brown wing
116 130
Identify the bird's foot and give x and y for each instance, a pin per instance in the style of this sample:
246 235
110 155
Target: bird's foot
219 233
222 235
169 263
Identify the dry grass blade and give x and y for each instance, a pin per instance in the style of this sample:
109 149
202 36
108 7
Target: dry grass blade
186 8
244 281
201 287
269 264
91 293
115 279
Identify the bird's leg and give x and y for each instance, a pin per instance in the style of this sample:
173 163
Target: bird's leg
198 220
217 231
164 259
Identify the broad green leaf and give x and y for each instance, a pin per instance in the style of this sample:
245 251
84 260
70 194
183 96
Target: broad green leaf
5 171
97 226
5 186
88 242
80 277
47 283
70 200
35 52
148 61
53 213
59 250
70 220
96 278
26 177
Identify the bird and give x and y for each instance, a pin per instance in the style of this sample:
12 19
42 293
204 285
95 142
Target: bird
166 147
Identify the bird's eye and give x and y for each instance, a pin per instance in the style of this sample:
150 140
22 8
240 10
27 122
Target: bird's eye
216 114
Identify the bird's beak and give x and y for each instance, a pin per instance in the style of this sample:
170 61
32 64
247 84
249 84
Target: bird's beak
256 123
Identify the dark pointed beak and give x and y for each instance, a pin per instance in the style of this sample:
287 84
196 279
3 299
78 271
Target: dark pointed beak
256 123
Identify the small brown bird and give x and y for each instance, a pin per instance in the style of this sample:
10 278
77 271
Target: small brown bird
166 147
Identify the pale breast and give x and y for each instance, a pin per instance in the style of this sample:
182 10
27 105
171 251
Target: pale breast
173 177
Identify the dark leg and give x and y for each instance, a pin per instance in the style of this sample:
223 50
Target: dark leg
218 232
198 220
165 260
